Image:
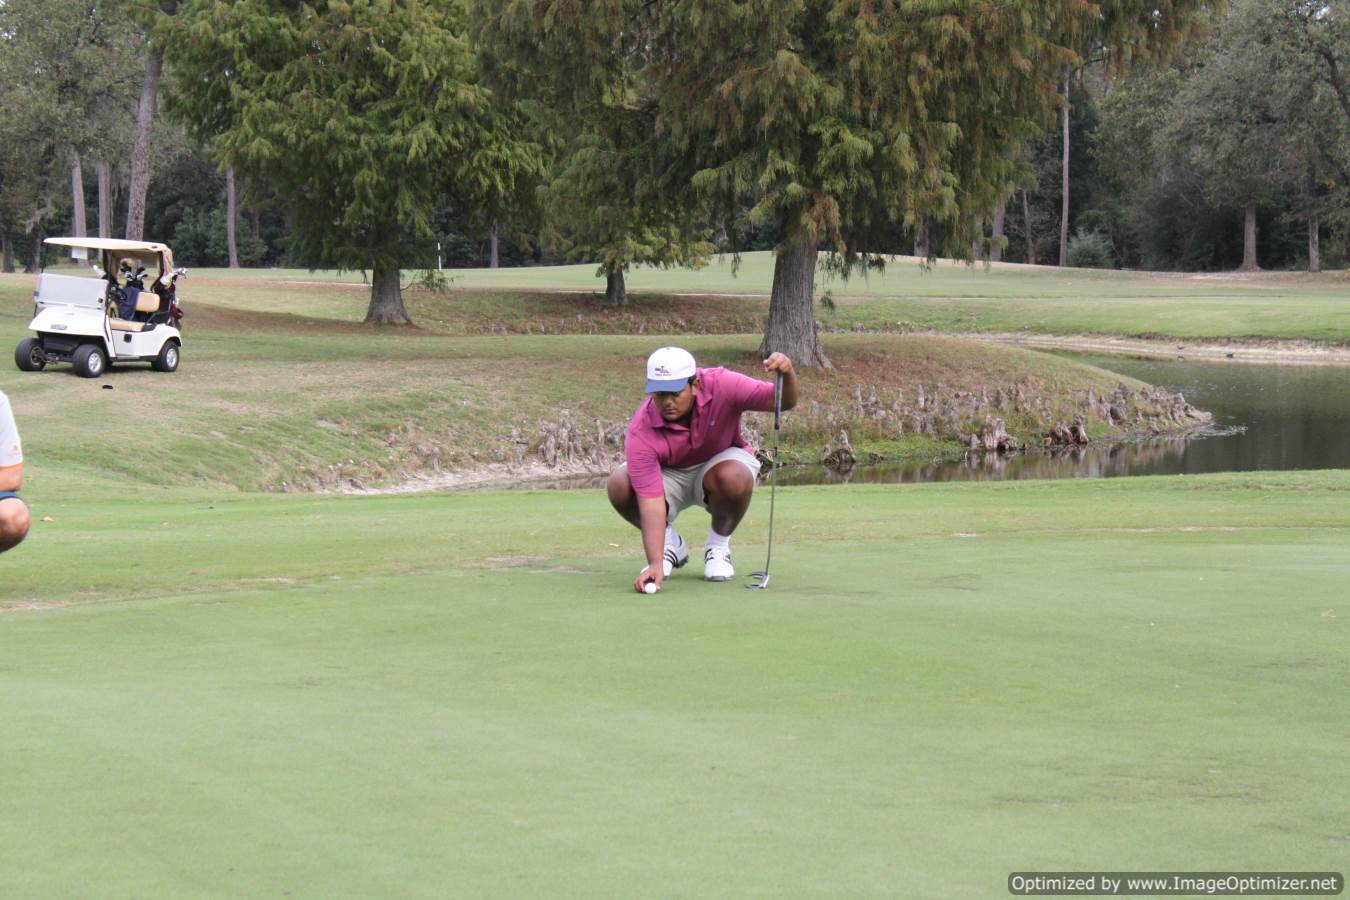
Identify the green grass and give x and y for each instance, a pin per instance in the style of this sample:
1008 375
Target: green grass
957 298
949 297
903 275
417 696
209 691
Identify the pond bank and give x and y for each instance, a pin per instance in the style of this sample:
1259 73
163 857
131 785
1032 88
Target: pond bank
1266 418
1244 350
891 399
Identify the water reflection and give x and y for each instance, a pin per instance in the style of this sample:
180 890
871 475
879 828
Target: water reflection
1157 456
1294 417
1266 418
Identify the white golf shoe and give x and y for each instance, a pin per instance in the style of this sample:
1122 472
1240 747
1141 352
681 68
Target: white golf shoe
676 555
717 564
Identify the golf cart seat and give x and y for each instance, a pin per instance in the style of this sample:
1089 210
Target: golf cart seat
159 311
147 303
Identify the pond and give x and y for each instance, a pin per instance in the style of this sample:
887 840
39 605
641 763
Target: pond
1265 416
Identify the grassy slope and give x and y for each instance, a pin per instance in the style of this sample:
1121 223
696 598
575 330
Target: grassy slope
420 695
271 399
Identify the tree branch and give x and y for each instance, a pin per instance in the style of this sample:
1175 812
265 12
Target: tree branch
1335 80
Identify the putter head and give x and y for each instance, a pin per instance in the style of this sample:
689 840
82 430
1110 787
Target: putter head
758 580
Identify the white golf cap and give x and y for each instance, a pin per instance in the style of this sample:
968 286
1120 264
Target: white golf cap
669 369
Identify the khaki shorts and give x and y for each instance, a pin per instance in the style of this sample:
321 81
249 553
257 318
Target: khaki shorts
684 487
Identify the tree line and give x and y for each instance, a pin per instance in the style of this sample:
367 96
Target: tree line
380 134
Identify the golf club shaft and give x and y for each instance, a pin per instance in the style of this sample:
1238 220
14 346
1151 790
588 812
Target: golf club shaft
777 407
773 472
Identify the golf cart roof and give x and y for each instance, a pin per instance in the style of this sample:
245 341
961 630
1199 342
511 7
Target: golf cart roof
97 243
147 252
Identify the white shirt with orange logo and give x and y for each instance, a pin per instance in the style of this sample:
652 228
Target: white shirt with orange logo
11 450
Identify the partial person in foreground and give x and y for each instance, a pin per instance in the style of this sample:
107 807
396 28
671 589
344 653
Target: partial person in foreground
684 447
14 517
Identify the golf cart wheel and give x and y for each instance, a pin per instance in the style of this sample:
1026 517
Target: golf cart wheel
29 355
89 361
167 361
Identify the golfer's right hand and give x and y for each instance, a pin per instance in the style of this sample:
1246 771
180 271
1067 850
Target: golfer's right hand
653 574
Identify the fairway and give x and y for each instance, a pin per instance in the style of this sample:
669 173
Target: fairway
732 297
459 694
952 296
949 296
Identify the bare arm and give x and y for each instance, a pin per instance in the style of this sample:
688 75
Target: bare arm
652 512
11 478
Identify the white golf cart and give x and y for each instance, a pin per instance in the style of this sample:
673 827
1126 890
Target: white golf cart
92 321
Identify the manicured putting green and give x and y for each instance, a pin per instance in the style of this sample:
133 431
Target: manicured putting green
460 695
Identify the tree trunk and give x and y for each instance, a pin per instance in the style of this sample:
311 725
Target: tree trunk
1314 244
7 252
78 225
996 248
792 315
231 216
720 239
493 259
1249 263
34 228
616 290
386 297
1064 188
34 264
104 199
921 240
1026 228
140 150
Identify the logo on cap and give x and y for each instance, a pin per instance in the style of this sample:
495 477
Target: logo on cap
669 368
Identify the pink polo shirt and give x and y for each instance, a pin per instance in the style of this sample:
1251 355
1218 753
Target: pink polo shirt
714 425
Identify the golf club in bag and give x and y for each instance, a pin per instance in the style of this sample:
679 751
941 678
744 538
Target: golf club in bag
761 579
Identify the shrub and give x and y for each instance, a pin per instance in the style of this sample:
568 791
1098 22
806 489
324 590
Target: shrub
199 240
1090 250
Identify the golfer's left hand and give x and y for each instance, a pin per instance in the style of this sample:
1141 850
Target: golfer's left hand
778 362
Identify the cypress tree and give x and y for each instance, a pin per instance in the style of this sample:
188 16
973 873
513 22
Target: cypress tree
829 122
595 209
365 115
614 194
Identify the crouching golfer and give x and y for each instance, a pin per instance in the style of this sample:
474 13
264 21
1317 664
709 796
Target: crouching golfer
684 447
13 511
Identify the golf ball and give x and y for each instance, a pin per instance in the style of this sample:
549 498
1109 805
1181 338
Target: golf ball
649 588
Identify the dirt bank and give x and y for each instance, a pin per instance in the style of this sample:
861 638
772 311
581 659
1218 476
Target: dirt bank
1242 350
